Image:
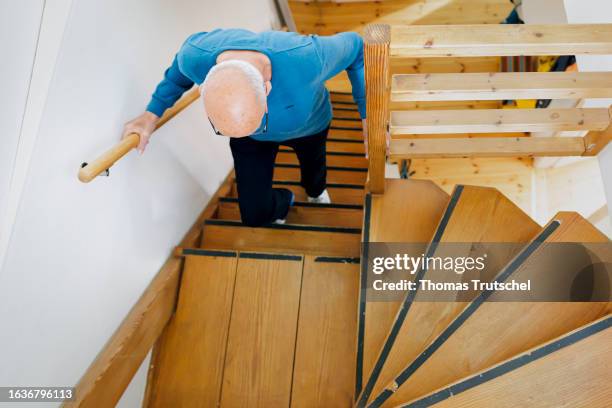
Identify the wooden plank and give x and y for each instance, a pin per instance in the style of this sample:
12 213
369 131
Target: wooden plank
547 375
343 129
487 147
192 354
501 85
348 146
376 61
477 214
304 214
499 330
262 333
339 193
595 141
332 159
341 112
500 40
324 373
334 241
498 120
347 175
416 224
111 372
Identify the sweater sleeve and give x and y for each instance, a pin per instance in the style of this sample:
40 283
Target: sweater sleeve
341 52
169 90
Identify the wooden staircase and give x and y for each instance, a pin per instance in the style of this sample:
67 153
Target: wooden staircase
276 316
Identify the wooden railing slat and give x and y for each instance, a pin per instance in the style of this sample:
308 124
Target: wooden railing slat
500 86
498 120
500 40
487 147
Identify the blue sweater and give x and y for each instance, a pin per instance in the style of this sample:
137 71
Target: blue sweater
298 104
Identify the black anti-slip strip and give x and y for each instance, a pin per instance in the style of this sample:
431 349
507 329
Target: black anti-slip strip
346 109
363 281
332 139
339 93
337 168
512 364
356 129
467 312
293 227
336 259
352 154
343 103
259 255
405 307
208 252
329 185
304 204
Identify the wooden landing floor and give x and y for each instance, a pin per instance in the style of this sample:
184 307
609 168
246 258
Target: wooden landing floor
264 330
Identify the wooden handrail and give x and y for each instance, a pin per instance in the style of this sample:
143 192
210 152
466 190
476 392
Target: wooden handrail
376 59
89 171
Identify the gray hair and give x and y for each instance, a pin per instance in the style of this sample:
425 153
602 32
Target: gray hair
254 77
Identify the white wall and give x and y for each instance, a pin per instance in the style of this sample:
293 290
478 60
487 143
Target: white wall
14 80
80 255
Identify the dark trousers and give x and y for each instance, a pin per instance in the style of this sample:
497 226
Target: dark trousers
254 165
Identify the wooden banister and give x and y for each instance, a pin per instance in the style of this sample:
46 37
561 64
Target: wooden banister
90 170
376 60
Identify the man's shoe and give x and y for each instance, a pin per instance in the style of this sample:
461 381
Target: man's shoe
321 199
281 221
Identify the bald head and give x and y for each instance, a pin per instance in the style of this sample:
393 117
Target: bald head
234 97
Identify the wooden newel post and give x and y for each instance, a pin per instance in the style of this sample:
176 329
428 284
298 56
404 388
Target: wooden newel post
376 60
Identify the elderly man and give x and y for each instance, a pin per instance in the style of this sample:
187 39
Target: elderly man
263 90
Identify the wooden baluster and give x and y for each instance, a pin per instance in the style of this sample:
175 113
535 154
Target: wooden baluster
376 59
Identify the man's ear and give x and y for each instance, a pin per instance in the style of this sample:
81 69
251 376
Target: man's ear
268 85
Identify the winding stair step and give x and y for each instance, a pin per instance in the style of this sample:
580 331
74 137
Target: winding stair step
546 375
487 331
474 214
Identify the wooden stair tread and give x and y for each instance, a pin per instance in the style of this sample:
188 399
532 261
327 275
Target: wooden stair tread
193 346
418 41
334 159
547 375
324 373
347 175
288 238
501 85
498 120
261 338
474 214
416 224
345 145
340 193
493 339
304 213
